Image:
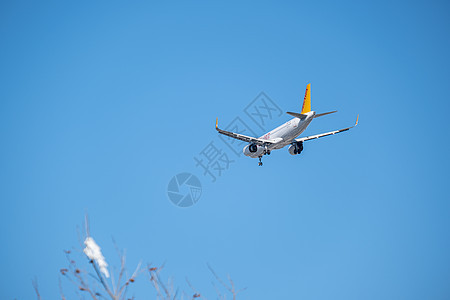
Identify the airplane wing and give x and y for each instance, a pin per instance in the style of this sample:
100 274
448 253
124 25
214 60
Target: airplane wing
313 137
245 138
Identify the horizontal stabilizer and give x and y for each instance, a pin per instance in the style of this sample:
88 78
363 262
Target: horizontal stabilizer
297 115
324 114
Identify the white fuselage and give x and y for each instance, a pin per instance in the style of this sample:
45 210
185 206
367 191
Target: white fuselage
285 133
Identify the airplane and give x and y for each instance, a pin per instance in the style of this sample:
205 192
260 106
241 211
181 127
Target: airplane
285 134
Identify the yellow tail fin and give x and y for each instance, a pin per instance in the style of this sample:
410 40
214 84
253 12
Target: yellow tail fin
307 101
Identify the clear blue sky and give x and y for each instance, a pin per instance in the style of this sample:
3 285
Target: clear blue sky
102 102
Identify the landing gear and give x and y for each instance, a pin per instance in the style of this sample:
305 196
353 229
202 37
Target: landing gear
260 162
298 147
266 152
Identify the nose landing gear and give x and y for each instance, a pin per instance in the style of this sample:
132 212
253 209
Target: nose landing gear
266 152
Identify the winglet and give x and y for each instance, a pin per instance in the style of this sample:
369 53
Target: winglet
217 123
357 117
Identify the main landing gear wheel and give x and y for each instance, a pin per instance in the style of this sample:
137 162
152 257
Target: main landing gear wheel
298 147
260 162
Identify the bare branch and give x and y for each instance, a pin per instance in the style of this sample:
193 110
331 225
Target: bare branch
102 280
218 278
196 293
91 282
61 289
131 279
218 292
231 288
36 288
86 225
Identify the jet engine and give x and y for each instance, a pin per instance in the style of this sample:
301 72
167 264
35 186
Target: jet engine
253 150
296 148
